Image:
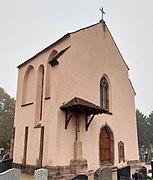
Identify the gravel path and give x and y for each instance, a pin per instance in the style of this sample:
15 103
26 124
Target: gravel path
26 177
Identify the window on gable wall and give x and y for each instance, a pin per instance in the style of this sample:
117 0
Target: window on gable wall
48 75
104 93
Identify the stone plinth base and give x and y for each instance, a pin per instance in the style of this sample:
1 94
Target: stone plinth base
79 166
77 150
29 169
75 167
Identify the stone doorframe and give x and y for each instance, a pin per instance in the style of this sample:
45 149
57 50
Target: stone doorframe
111 135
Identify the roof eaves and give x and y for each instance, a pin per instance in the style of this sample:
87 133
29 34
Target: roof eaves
83 103
85 28
132 86
103 22
55 43
52 45
118 49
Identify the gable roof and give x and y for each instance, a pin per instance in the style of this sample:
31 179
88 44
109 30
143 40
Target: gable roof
104 24
50 46
68 35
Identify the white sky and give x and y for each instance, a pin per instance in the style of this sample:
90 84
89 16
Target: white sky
28 26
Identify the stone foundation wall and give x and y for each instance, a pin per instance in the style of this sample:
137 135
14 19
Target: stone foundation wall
64 172
29 169
75 167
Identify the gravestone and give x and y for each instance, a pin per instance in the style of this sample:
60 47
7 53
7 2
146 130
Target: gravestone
11 174
1 149
141 173
124 173
152 167
41 174
103 173
5 165
80 177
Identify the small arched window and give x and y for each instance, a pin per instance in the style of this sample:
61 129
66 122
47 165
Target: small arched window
104 93
121 151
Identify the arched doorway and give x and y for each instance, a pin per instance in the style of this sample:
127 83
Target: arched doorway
106 146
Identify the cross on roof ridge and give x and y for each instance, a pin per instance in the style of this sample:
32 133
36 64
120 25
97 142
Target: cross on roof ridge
102 12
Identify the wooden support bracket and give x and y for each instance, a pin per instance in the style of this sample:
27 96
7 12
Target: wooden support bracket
88 122
67 119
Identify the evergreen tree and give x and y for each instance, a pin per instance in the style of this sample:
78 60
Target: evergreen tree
150 127
142 129
7 109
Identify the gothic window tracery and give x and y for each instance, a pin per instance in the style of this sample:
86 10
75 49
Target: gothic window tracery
104 93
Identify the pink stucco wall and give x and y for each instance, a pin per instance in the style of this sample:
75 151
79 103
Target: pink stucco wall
92 54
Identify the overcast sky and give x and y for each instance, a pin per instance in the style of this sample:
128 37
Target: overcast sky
28 26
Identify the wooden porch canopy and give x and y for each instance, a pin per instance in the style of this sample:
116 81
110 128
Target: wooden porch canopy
78 106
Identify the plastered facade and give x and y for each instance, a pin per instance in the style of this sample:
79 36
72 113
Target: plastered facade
92 53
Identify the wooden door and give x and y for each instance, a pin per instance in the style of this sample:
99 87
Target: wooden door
105 146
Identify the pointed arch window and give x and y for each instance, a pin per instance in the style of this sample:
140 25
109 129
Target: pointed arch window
28 82
104 93
48 74
39 94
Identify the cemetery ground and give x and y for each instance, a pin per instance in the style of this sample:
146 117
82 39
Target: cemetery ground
133 169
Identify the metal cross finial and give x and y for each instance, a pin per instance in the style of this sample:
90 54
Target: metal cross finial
102 11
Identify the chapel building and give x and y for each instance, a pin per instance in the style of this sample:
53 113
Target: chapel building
75 105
